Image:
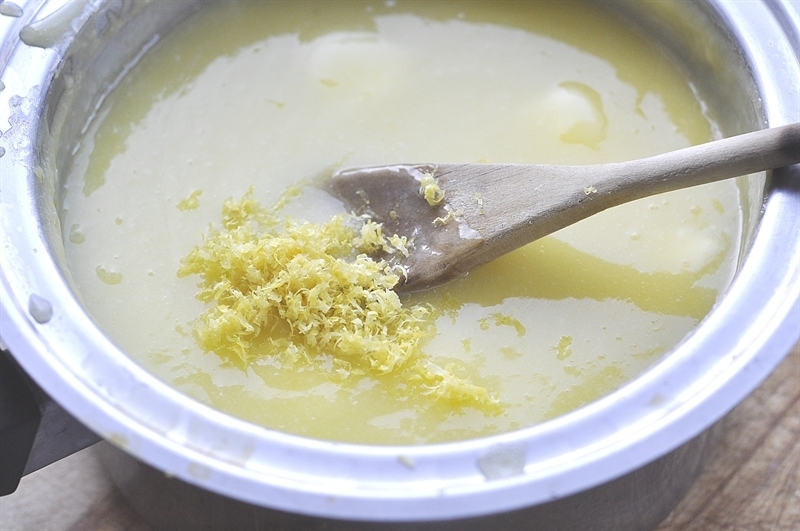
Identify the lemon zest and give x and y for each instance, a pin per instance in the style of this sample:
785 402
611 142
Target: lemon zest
429 189
304 293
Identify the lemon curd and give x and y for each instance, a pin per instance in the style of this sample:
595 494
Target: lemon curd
266 96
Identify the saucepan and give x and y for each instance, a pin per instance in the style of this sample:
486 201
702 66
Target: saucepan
621 462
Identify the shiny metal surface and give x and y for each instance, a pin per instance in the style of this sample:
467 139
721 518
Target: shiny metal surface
746 64
638 500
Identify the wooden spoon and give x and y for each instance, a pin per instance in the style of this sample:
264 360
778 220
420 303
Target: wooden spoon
491 209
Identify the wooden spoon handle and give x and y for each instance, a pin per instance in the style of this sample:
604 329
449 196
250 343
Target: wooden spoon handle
509 205
525 202
705 163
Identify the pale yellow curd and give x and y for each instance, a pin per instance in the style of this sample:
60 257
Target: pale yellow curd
266 96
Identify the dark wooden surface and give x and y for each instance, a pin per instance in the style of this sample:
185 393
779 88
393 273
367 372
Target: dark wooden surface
751 483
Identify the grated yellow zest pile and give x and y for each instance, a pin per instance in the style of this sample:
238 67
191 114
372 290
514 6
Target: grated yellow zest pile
310 293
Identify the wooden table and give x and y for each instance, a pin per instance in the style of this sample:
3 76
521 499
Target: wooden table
751 483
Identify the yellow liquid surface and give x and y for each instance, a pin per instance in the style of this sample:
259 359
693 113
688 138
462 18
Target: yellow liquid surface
262 95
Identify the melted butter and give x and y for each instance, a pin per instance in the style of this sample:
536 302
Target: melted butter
76 234
580 107
10 9
49 30
108 275
242 103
